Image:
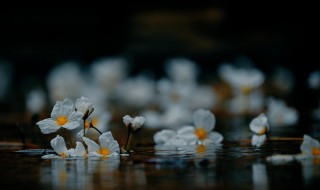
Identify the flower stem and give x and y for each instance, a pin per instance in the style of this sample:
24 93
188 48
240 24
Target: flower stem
128 142
95 128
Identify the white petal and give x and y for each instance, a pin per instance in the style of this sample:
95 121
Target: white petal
79 150
204 119
72 125
50 156
48 126
308 144
127 120
215 137
163 136
92 146
258 140
187 134
58 145
114 147
259 123
105 139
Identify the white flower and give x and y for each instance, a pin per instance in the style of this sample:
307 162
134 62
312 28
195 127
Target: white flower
36 101
259 125
136 92
135 122
108 146
66 80
79 151
84 105
280 114
168 137
310 147
63 115
243 79
204 122
258 140
108 72
59 146
182 70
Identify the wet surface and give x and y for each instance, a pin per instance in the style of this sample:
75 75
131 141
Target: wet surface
234 165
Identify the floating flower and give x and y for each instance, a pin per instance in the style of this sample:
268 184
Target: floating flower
204 122
167 137
59 146
310 147
259 126
63 115
280 114
108 146
85 106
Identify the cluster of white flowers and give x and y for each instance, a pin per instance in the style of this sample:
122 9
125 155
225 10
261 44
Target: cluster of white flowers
70 116
201 133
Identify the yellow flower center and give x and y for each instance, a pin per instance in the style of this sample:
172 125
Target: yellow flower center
201 149
262 131
86 124
316 151
104 151
201 133
246 90
95 121
63 154
61 120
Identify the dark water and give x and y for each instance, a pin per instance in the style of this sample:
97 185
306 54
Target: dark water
234 165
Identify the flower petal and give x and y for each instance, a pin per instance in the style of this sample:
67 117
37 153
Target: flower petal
161 137
72 125
92 146
48 126
258 140
205 119
215 137
59 146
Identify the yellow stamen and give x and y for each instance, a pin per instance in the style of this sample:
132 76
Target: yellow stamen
201 149
316 151
63 154
246 90
262 131
201 133
104 151
95 121
86 125
61 120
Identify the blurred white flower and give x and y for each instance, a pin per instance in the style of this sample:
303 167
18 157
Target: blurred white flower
167 137
310 147
279 114
136 92
260 126
65 80
135 122
176 116
174 94
108 146
204 122
243 104
182 70
36 101
84 105
108 72
241 79
280 158
63 115
314 80
203 97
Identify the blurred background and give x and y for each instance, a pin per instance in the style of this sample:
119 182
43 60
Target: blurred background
267 35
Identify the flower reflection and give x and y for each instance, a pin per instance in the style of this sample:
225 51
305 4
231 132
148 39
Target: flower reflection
259 176
79 174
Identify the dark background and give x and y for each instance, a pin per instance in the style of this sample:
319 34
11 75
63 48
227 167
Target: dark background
269 33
